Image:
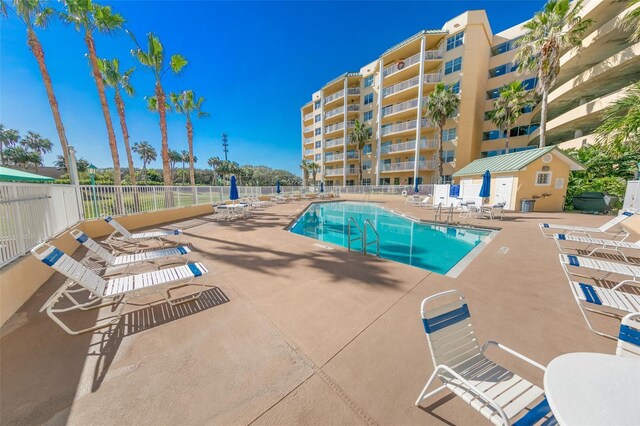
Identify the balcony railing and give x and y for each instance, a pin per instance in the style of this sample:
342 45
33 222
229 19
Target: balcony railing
334 127
308 152
352 155
308 140
333 112
334 96
353 91
394 109
403 85
308 116
334 172
334 142
308 129
390 129
353 107
407 166
409 146
435 77
352 171
429 55
334 157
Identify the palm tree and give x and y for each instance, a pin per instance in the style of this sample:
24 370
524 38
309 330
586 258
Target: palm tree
184 158
154 59
8 138
313 169
621 123
88 17
304 165
214 163
19 156
358 136
174 158
508 107
632 21
81 164
557 27
35 143
440 104
33 14
110 71
147 154
186 103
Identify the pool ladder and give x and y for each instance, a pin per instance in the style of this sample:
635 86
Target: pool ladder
438 215
363 235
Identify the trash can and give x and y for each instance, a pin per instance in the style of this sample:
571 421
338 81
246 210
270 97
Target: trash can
526 205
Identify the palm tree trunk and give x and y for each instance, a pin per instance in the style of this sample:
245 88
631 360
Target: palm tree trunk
543 117
125 135
506 142
162 110
440 152
36 48
93 59
144 169
360 165
192 175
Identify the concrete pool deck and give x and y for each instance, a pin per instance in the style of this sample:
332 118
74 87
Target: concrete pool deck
291 332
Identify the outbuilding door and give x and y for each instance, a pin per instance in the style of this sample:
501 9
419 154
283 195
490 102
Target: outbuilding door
504 188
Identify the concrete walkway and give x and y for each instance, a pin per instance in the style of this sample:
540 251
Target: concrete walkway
290 332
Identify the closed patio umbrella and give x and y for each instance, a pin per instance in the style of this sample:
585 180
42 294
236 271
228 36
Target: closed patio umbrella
233 191
278 187
485 189
321 186
415 188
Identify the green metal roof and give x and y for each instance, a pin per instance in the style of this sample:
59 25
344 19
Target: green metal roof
412 38
513 162
11 175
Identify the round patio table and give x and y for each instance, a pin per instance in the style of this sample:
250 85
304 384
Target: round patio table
594 389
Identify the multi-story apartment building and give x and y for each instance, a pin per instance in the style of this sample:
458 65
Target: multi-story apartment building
465 55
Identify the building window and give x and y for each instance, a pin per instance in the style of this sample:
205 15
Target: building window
370 131
396 181
494 93
368 98
455 41
515 131
366 181
318 144
503 47
503 69
453 66
318 131
447 179
367 149
449 156
318 157
543 178
318 118
368 115
366 165
455 87
368 81
317 104
485 154
385 181
530 83
449 135
350 182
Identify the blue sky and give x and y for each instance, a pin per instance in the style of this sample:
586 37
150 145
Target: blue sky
256 63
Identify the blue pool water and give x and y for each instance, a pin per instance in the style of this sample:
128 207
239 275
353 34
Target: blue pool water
431 247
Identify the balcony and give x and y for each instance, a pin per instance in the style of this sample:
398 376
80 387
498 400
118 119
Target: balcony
338 126
353 91
429 55
352 155
412 82
308 116
334 96
308 129
334 157
404 106
308 152
334 172
308 141
352 171
407 166
409 146
334 112
391 129
334 142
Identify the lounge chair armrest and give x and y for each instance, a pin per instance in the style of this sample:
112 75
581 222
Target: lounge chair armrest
481 394
512 352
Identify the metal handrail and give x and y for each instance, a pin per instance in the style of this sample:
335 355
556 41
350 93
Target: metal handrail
438 215
349 239
450 214
376 241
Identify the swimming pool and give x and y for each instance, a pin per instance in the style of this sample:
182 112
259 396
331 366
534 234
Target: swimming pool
432 247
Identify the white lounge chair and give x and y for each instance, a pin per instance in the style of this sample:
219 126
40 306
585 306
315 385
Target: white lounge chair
161 256
460 363
105 292
591 298
122 235
497 210
629 337
606 267
603 244
568 229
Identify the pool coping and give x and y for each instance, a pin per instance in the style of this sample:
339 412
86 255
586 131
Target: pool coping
453 272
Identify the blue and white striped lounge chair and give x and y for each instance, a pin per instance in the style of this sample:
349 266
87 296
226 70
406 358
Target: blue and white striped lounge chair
122 234
160 256
568 229
607 268
461 365
591 298
105 292
602 244
629 337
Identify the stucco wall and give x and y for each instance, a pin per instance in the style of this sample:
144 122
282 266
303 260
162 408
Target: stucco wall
20 279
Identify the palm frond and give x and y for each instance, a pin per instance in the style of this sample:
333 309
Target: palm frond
177 63
105 20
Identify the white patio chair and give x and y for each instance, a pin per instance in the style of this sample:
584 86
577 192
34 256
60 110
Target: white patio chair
413 200
467 208
105 292
497 210
461 365
603 244
591 298
157 257
629 337
606 267
122 235
568 229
